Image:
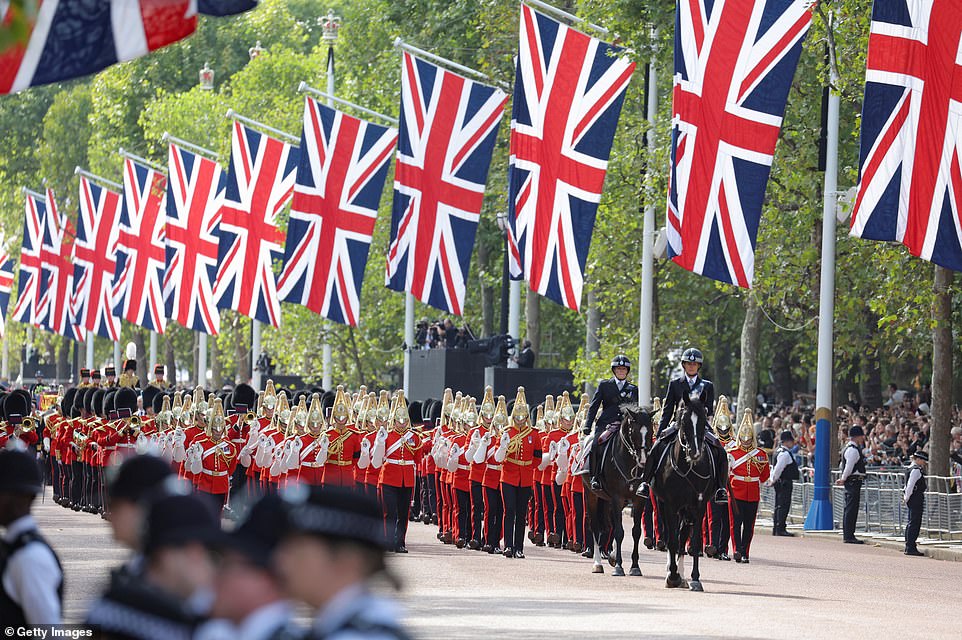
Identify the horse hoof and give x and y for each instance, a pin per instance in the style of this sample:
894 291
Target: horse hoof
635 572
612 561
695 585
597 569
661 546
684 584
673 582
649 543
618 572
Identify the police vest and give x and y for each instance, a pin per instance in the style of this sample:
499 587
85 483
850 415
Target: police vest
859 469
790 472
918 491
11 613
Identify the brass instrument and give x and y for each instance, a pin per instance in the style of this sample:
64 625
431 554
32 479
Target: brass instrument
249 416
80 439
135 425
28 425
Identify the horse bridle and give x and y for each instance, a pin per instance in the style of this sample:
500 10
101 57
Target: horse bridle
636 455
682 444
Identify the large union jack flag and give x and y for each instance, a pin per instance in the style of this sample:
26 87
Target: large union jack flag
449 125
568 93
195 194
734 64
340 176
6 285
28 286
910 181
57 294
138 292
259 184
94 260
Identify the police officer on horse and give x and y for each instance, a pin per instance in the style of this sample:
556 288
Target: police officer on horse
608 398
692 385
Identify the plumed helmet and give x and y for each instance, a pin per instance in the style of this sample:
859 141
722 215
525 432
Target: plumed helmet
620 360
692 355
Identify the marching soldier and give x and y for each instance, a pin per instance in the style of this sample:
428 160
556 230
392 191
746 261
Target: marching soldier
749 467
608 398
493 501
518 450
214 459
110 377
344 445
396 454
313 444
481 443
554 517
159 380
719 522
128 377
783 474
84 378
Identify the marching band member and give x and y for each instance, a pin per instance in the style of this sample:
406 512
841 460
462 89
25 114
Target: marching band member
344 445
375 414
313 444
465 417
718 530
216 458
518 451
480 442
282 447
440 452
535 516
396 454
568 448
491 481
554 516
748 468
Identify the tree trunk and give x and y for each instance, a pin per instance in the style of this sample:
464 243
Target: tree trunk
870 383
169 359
940 436
532 321
748 375
142 356
782 368
592 343
63 360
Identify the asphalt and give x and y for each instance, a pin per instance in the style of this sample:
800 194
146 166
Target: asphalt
809 586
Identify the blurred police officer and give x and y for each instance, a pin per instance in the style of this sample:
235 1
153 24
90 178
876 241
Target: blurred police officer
128 493
333 548
30 572
784 473
914 498
853 473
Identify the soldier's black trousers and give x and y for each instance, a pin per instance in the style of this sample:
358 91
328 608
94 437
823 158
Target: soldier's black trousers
743 524
783 503
495 516
477 512
429 495
397 505
853 491
720 527
515 508
914 526
418 485
77 484
463 513
557 511
55 479
578 503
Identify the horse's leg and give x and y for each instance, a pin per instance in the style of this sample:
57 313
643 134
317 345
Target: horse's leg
593 506
618 525
696 544
671 539
637 511
684 540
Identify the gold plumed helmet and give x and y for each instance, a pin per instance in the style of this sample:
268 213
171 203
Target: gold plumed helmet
282 414
200 400
315 417
500 419
565 412
582 415
487 404
656 411
186 412
539 423
520 412
165 413
456 407
722 422
550 414
383 411
270 396
178 405
400 420
218 423
469 413
341 412
359 399
447 405
300 414
746 431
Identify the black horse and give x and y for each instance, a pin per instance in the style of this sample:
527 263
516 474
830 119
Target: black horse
621 467
683 483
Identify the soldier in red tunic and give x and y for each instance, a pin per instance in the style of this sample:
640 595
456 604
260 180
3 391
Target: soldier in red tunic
313 443
215 459
480 442
491 480
374 414
439 451
344 445
554 514
396 453
748 467
519 451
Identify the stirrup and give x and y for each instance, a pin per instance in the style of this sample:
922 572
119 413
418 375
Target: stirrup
644 491
595 484
721 496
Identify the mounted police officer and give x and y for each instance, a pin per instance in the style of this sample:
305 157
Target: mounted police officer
610 395
693 386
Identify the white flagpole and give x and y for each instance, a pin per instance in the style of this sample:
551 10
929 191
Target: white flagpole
117 362
647 254
202 359
257 375
326 356
5 364
153 354
514 316
91 338
408 340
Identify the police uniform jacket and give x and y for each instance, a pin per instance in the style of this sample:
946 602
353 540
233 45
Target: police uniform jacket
608 399
678 390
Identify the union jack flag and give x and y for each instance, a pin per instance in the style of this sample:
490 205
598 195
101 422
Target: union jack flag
6 285
195 194
68 39
340 176
734 64
449 125
28 287
138 292
568 93
910 183
259 184
94 261
56 284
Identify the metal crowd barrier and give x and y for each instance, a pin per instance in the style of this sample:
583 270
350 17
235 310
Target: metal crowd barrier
881 508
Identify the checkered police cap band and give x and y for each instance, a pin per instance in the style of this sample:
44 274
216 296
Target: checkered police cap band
328 521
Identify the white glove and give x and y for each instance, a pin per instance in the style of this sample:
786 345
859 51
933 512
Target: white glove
473 445
252 436
265 447
245 457
46 444
502 451
141 445
546 457
195 463
321 455
381 435
179 436
482 451
277 466
454 457
365 460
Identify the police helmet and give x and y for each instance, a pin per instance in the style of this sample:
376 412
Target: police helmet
620 360
692 355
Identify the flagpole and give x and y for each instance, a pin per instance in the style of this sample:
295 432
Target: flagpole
421 53
256 374
820 513
117 363
202 359
153 354
93 176
91 338
408 340
5 364
330 36
514 316
331 100
646 320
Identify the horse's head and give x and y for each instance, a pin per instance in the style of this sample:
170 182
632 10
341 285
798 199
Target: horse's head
694 423
636 427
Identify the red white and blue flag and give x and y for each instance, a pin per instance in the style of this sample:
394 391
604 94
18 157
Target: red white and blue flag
449 125
28 286
57 294
6 285
910 180
569 89
138 293
95 258
68 39
340 176
734 64
259 183
195 194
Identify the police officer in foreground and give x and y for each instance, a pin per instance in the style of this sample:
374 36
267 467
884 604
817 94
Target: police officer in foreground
128 493
784 473
914 498
690 385
31 578
332 550
608 398
853 473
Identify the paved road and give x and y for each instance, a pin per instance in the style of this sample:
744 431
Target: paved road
794 588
